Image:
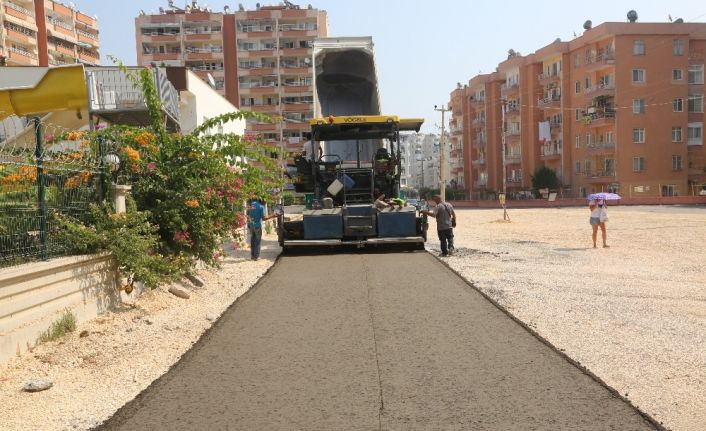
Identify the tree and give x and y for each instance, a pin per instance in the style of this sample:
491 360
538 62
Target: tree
545 178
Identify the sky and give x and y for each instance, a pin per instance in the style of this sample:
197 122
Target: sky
422 48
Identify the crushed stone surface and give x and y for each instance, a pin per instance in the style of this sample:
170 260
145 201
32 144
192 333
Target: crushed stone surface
634 313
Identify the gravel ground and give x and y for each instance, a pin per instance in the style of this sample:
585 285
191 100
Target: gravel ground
634 313
124 351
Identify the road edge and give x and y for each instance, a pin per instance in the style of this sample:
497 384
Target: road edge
119 415
654 422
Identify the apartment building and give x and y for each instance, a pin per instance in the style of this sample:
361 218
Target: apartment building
260 60
47 33
619 108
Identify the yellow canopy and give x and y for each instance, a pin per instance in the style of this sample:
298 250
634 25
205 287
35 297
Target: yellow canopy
34 90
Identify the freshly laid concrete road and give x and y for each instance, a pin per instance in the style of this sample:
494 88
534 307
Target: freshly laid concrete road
367 342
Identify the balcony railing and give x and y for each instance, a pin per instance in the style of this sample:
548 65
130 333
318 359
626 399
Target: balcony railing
600 174
478 162
695 141
478 122
19 8
480 183
198 50
21 51
111 92
549 100
599 117
514 180
476 102
87 34
549 150
601 86
602 58
555 124
548 76
598 146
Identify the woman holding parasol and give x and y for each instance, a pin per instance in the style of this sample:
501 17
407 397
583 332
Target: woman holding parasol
598 205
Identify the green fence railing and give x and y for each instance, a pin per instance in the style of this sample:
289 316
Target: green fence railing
41 176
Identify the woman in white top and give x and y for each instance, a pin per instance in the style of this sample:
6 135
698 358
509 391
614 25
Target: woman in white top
599 216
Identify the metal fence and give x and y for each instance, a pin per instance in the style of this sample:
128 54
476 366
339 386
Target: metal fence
41 175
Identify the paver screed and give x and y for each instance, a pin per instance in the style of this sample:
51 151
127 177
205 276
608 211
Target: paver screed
372 341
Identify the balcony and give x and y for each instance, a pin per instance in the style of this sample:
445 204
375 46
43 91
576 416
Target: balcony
457 169
695 142
508 89
480 184
113 96
18 11
479 143
549 102
21 56
555 125
86 37
512 158
478 162
512 111
262 108
603 88
514 180
546 78
598 148
549 152
478 102
600 177
605 117
600 61
297 88
297 107
478 123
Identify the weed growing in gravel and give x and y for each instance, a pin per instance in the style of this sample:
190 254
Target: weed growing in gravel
65 324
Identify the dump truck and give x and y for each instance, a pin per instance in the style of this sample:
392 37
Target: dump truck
352 159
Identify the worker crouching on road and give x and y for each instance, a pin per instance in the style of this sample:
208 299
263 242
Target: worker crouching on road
445 217
256 215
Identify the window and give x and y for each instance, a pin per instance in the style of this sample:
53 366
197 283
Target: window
638 75
696 103
638 106
638 164
577 87
676 163
695 133
589 140
578 115
587 166
588 82
696 74
578 168
678 47
577 60
678 105
677 75
638 135
609 138
676 134
578 141
638 47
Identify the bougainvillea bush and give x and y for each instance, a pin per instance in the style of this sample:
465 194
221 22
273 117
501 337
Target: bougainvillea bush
189 188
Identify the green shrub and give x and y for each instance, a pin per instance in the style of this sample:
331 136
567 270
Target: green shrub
62 326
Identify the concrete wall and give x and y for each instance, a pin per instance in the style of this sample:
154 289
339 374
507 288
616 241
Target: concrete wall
34 295
200 102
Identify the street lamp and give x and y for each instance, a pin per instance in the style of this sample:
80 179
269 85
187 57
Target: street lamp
442 153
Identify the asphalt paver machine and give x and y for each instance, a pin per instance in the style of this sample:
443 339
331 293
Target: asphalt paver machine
343 206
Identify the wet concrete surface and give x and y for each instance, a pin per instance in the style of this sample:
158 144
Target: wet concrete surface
372 341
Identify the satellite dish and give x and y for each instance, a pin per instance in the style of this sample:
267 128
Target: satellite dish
211 81
632 16
307 60
587 25
83 44
679 21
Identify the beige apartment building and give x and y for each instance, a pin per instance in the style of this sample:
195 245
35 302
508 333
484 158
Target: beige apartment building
47 33
619 108
260 60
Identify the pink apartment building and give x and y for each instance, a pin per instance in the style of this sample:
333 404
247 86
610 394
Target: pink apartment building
260 60
618 108
47 33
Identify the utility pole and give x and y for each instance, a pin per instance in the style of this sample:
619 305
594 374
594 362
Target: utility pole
442 153
502 137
